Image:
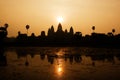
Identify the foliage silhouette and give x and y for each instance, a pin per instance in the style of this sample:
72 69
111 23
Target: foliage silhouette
27 27
93 28
113 31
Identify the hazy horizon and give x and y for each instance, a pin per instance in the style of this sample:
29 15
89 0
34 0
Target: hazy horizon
42 14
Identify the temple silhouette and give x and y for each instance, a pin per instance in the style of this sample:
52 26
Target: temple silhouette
60 38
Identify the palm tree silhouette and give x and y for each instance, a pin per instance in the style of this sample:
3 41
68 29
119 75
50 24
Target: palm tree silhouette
93 28
6 25
5 29
113 31
27 27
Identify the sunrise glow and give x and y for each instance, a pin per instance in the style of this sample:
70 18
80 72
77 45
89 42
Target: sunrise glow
40 14
60 19
59 69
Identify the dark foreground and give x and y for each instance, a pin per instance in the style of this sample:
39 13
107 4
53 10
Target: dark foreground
59 63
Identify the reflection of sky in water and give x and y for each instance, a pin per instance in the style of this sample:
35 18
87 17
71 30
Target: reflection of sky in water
61 64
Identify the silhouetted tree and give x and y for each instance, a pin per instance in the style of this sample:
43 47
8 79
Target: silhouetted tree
93 28
113 31
27 27
6 25
19 33
3 31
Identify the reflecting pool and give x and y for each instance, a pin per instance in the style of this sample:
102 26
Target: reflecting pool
59 63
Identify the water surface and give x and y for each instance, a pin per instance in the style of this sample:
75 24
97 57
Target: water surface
59 63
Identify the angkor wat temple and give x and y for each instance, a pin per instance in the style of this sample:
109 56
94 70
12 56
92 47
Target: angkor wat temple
63 38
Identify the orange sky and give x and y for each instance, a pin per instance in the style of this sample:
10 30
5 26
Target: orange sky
41 14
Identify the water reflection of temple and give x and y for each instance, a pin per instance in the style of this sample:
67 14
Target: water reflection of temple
50 55
69 55
3 59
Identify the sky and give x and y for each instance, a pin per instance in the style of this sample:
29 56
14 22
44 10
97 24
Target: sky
42 14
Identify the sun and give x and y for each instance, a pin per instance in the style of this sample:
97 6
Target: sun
60 19
59 69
